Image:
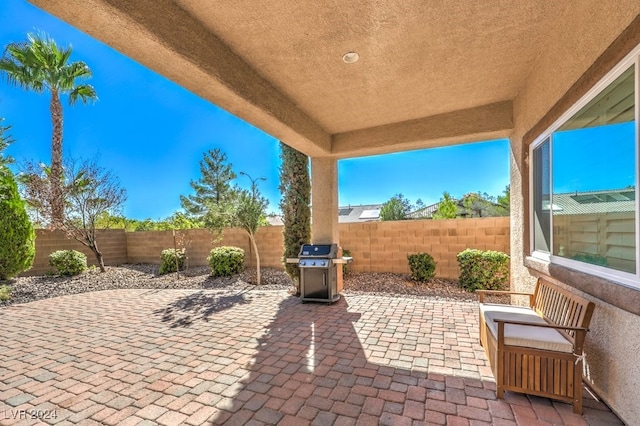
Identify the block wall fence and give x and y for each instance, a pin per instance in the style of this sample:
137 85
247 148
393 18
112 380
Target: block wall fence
375 246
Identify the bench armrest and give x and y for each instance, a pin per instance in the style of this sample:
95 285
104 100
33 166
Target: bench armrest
481 294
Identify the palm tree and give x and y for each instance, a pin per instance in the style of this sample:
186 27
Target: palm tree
40 65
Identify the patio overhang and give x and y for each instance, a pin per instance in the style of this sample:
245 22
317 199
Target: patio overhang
281 68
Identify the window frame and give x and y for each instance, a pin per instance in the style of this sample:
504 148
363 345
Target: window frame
623 278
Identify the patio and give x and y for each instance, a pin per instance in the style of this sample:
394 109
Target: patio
211 357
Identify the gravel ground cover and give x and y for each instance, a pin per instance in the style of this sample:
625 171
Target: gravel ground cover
27 289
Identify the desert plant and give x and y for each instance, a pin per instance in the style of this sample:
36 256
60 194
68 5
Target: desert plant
422 266
483 270
17 237
5 293
68 262
249 214
168 260
89 191
226 261
345 266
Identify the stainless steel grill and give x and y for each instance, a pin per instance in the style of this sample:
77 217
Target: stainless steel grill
318 272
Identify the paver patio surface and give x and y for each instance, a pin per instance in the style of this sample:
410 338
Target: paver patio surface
170 357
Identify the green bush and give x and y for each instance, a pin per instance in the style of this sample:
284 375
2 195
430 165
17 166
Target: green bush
168 260
68 262
17 237
226 261
345 266
483 270
5 293
422 266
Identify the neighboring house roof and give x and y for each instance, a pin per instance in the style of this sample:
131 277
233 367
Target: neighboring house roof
608 201
425 212
346 214
275 220
361 213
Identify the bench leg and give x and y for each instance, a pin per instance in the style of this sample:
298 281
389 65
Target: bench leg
499 392
577 406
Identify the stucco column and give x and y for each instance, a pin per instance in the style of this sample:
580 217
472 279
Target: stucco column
324 206
324 200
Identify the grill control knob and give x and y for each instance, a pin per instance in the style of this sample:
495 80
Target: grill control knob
313 263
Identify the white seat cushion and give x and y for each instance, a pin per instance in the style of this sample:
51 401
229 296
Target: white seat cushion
523 335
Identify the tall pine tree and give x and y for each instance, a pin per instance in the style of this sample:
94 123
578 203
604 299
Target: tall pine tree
295 187
213 191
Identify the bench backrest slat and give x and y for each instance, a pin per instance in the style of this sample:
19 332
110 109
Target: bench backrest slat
561 307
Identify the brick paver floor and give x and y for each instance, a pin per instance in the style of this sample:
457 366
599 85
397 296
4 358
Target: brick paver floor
171 357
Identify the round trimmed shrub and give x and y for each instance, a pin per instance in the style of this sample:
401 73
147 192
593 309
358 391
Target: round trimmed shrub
483 270
17 237
68 262
168 260
226 261
422 266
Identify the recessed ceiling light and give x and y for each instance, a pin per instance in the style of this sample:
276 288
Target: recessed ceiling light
350 57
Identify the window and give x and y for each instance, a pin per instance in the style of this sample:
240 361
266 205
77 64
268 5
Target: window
584 182
542 198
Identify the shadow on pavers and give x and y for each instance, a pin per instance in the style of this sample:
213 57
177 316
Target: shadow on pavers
199 306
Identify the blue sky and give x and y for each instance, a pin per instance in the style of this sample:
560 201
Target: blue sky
606 152
152 133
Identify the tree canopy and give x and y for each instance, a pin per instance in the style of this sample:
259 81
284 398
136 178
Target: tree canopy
90 192
397 208
447 209
213 192
5 141
295 187
40 65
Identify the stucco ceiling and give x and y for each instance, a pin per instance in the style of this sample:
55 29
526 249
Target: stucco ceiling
430 72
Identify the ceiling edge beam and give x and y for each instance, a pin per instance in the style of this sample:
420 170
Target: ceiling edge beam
485 122
166 39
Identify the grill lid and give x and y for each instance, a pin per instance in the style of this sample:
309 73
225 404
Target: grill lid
329 251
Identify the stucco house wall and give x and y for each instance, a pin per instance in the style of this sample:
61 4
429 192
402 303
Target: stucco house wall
579 57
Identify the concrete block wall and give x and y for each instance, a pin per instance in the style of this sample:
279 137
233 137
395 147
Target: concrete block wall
145 247
111 242
375 246
384 246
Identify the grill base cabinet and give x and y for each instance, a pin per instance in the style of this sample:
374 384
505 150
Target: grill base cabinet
318 272
319 285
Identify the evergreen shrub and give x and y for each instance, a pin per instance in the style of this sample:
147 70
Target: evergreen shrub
226 261
422 265
17 237
168 260
483 270
68 262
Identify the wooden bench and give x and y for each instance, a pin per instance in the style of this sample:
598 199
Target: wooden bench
537 350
